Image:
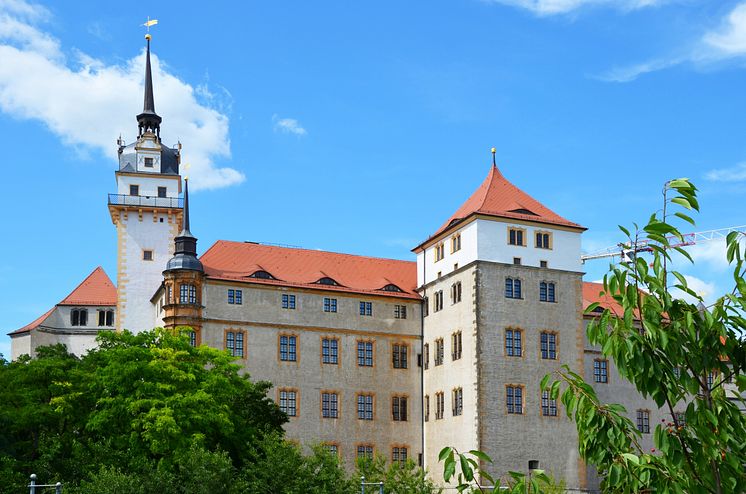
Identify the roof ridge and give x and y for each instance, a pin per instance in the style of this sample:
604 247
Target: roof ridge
82 283
238 242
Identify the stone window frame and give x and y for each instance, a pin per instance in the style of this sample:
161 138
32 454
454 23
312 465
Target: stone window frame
321 351
642 421
372 405
549 405
405 397
556 344
400 447
550 239
517 229
373 352
337 448
367 446
455 242
457 398
406 359
297 347
439 251
287 389
523 398
606 368
335 392
234 331
440 405
522 332
457 345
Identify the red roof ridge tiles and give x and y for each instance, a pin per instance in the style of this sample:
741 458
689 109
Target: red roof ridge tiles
96 289
496 196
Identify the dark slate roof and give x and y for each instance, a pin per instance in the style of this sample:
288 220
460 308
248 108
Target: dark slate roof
169 159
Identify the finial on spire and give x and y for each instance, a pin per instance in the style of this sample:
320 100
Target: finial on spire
494 163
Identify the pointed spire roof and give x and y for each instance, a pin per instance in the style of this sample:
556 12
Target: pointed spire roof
148 120
499 198
185 221
185 252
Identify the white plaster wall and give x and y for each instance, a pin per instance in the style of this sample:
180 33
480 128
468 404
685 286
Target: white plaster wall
60 318
493 246
148 185
19 345
428 268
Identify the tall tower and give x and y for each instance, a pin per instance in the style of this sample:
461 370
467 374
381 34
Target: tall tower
146 211
183 279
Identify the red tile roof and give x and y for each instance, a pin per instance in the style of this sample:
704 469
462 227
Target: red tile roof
96 289
500 198
591 294
237 261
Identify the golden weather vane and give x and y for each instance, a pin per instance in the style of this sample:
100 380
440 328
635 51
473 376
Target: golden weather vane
148 23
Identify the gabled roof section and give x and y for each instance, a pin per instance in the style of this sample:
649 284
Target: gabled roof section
33 325
592 294
500 198
237 261
96 289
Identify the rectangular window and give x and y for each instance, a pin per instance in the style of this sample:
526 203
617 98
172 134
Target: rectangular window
546 291
513 342
109 317
439 405
425 306
231 296
192 294
543 240
399 455
332 448
329 405
457 401
513 288
102 318
543 264
193 338
288 301
162 191
234 343
601 370
427 408
365 407
439 352
147 255
517 261
456 345
548 405
514 395
366 308
440 252
400 311
365 451
515 236
426 356
169 294
456 292
288 348
330 351
456 243
289 402
548 345
149 162
239 297
330 304
399 355
643 421
438 305
134 190
399 408
365 353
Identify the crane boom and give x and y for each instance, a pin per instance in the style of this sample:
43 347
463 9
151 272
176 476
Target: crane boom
626 250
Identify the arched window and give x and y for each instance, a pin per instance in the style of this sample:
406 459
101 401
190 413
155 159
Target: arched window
79 317
327 281
391 288
263 275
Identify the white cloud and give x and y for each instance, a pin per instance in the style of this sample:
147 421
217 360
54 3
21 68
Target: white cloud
88 103
632 72
733 174
712 253
288 126
730 39
554 7
704 289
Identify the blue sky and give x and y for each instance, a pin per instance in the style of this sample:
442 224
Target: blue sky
360 126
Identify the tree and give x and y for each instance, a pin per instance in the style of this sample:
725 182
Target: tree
679 352
397 478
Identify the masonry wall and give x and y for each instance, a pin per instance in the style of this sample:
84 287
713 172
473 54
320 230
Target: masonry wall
263 320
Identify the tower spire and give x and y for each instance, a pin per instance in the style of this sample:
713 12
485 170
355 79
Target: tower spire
148 120
185 251
185 224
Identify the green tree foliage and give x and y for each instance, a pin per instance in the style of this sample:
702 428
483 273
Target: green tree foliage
678 352
397 478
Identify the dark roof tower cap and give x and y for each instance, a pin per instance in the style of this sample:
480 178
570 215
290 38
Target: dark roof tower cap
148 120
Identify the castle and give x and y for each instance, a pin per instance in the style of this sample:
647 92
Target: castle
367 355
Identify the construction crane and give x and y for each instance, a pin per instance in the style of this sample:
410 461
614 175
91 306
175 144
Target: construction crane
627 251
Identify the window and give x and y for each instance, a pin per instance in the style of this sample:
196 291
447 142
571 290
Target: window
106 318
439 405
399 455
327 281
513 342
187 294
391 288
235 297
147 255
366 308
425 306
329 405
134 190
288 348
330 304
162 191
400 311
169 294
543 240
457 401
330 351
548 405
440 252
546 291
438 351
512 288
514 395
456 243
289 401
192 338
543 264
288 301
548 345
332 448
456 292
438 302
643 421
399 408
427 408
365 451
364 353
426 356
364 407
262 275
149 162
517 261
79 317
234 343
601 370
456 345
515 236
400 356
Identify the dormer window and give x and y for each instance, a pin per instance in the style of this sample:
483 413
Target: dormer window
149 162
262 275
391 288
327 281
